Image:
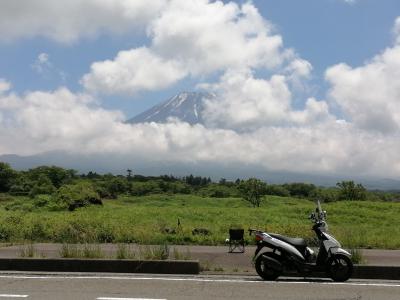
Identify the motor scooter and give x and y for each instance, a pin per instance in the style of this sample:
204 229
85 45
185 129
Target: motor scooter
277 254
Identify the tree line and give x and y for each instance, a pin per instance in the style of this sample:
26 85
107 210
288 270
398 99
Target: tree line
66 189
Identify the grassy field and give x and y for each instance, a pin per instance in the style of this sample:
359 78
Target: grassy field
145 219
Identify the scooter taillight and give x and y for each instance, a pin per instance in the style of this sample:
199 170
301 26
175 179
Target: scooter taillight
259 237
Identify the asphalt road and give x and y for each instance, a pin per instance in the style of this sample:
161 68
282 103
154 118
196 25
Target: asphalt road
133 287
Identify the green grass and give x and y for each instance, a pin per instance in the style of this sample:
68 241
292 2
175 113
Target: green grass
144 220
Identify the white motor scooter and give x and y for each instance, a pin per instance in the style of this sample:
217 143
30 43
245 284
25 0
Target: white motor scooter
285 254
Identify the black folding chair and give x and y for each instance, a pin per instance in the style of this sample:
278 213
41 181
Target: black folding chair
236 240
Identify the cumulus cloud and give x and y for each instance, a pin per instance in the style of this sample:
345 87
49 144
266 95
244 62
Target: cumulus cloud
68 21
210 36
195 38
61 120
369 95
40 121
135 70
244 102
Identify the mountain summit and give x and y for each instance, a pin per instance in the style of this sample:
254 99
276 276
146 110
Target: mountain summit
186 106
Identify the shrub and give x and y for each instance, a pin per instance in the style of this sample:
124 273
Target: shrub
218 191
113 187
325 194
177 187
277 190
5 233
43 186
79 195
351 191
41 201
145 188
7 175
22 185
20 204
300 190
35 231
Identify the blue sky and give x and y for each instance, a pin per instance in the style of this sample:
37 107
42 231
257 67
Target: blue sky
302 86
324 32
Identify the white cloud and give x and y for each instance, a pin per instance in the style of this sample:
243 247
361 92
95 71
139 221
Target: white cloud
195 38
60 120
68 21
350 1
40 121
132 71
4 86
211 36
46 69
369 95
244 102
42 63
396 30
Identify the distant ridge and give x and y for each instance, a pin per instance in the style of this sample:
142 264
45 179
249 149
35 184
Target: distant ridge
186 106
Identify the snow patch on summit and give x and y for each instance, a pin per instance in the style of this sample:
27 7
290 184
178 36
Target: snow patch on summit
186 106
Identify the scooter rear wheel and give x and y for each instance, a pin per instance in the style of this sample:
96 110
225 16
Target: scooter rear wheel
340 267
267 272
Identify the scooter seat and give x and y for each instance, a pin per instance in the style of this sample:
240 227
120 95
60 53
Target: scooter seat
297 242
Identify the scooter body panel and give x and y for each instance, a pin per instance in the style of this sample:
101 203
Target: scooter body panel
273 243
338 250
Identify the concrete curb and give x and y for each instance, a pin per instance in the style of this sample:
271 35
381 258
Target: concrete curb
158 267
100 265
376 272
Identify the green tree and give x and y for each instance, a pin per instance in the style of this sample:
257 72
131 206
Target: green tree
252 190
129 176
57 175
7 175
351 191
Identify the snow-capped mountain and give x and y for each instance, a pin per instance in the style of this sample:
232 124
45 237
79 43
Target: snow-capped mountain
186 106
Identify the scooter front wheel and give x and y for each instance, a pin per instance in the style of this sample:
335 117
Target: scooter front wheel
340 267
264 267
